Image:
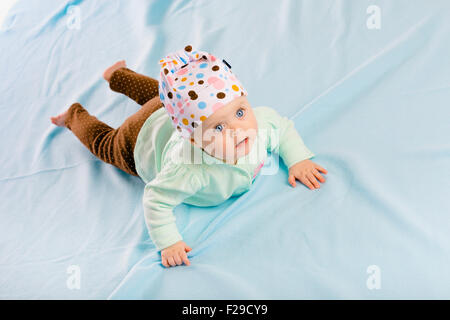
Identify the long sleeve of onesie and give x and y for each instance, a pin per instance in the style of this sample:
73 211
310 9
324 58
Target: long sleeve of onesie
283 138
161 195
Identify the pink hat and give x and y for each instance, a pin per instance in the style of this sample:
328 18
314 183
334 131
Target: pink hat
193 85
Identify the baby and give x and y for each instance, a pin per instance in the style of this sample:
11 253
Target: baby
195 140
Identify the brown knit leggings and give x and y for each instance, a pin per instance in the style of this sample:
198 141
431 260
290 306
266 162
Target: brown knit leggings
116 146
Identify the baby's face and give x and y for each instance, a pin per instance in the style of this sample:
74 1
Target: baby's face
228 133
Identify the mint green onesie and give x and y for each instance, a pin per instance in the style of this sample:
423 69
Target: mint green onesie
177 172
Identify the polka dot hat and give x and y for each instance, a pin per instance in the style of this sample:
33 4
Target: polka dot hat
193 85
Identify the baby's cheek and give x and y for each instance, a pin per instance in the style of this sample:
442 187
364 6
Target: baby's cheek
217 146
229 145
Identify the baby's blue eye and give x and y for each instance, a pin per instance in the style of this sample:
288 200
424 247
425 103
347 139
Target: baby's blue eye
219 128
240 113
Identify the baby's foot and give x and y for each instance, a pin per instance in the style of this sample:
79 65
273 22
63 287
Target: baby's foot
109 71
60 119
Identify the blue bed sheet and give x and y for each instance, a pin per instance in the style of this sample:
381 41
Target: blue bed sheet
371 102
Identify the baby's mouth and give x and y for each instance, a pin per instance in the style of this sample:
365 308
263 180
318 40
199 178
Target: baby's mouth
242 143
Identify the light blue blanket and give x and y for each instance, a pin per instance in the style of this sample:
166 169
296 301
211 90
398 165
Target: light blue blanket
368 88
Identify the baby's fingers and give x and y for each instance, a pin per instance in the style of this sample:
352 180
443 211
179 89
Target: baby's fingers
171 261
185 258
164 262
321 169
306 182
177 259
291 180
313 180
318 175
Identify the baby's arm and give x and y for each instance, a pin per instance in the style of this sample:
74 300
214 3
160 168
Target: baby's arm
161 195
284 139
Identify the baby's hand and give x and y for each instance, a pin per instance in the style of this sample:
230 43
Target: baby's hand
175 254
306 172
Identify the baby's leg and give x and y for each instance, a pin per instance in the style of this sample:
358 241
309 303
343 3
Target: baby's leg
113 146
102 140
138 87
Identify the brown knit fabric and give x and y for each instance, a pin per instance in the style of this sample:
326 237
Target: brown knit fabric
136 86
116 146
